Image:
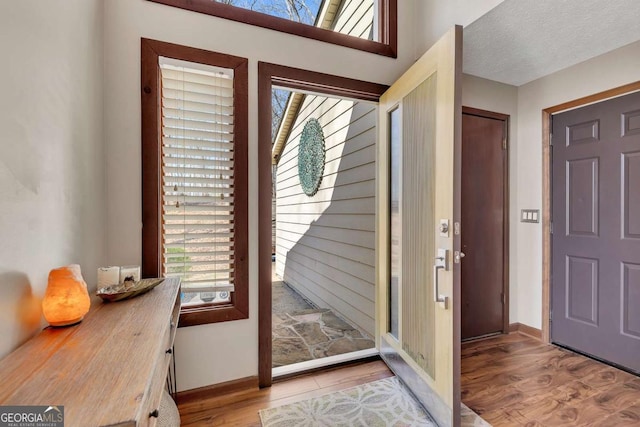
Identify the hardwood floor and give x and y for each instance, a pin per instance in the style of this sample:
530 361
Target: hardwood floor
241 408
510 380
514 380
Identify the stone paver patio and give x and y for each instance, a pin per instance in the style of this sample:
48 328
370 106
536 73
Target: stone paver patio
302 332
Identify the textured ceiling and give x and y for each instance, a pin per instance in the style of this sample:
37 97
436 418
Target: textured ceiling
523 40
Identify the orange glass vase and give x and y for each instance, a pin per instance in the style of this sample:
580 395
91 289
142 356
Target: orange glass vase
66 299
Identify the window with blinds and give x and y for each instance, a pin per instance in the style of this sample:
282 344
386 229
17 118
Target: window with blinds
194 167
198 179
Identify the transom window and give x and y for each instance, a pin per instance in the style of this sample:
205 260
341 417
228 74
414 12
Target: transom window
369 25
303 11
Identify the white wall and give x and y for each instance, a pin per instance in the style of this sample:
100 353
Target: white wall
611 70
501 98
434 17
52 209
207 354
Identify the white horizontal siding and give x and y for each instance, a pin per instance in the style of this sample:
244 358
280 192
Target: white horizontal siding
337 234
345 265
345 305
358 123
325 244
351 222
355 174
355 17
365 188
347 161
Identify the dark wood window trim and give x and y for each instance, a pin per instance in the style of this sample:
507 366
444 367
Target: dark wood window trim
387 24
292 78
151 167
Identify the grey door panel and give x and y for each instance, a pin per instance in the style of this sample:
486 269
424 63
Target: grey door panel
596 230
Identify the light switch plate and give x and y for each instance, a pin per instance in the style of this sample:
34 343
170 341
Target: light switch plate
530 215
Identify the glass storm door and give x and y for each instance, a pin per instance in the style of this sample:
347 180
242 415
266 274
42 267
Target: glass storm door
418 276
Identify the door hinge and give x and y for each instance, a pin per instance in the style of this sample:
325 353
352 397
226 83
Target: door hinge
504 143
551 227
550 130
550 316
503 298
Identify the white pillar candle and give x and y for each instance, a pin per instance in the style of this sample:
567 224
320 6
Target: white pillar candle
108 276
132 271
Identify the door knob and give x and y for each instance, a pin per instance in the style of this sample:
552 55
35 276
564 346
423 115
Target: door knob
444 227
457 256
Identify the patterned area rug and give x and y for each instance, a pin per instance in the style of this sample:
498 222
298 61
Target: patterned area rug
382 403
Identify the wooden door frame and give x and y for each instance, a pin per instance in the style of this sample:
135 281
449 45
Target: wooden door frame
291 78
547 113
505 118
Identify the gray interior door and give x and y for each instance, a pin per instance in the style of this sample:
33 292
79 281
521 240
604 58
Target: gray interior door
596 230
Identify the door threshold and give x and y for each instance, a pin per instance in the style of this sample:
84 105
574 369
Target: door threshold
297 368
482 337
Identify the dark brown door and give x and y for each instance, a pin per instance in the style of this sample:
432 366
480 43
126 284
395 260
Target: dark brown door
596 230
484 219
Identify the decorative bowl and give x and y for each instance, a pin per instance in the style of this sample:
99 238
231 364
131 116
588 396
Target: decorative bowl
127 289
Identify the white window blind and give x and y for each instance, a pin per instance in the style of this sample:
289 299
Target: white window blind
197 177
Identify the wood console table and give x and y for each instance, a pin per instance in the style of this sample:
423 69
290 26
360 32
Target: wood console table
110 369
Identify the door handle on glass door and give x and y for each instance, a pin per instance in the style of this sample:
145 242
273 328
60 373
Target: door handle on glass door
436 288
441 264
